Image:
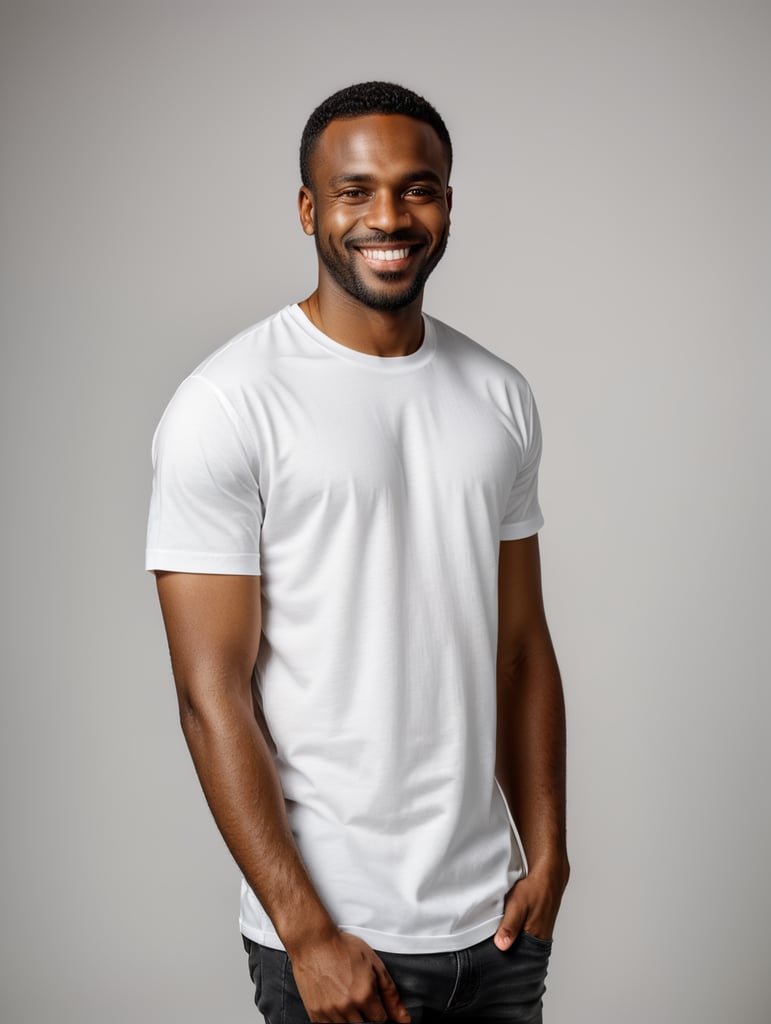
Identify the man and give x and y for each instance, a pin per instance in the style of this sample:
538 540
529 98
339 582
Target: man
343 528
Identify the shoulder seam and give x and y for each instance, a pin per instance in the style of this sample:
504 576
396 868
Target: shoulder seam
232 414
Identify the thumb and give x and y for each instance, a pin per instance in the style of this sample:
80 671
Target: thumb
514 914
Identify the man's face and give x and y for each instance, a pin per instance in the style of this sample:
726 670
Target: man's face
379 208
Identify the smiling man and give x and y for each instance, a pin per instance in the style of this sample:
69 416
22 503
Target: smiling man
377 250
344 532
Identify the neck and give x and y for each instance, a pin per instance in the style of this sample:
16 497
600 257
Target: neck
375 332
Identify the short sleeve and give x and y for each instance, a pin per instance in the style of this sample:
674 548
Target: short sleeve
206 509
523 516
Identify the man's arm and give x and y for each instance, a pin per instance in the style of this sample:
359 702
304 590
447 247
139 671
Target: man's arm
530 750
213 627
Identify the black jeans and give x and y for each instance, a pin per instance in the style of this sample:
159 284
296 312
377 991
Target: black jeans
471 986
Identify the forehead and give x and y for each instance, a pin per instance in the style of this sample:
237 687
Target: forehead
377 143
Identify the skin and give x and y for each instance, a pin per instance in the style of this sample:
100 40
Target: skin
530 742
379 183
394 196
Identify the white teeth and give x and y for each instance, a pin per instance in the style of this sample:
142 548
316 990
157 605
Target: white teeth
386 254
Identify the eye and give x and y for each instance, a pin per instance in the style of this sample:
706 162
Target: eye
420 192
353 193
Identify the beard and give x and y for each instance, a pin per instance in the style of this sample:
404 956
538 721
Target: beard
344 271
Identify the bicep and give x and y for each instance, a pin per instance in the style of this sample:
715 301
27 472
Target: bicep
521 616
213 625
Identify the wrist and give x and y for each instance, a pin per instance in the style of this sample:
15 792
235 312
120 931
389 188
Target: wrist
552 865
306 931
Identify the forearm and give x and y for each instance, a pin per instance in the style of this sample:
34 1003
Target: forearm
241 785
337 974
213 624
531 751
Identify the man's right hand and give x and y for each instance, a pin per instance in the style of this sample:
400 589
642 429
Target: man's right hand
343 979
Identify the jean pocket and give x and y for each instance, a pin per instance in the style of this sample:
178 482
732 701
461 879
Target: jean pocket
544 945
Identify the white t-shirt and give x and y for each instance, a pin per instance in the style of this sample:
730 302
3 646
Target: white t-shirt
371 495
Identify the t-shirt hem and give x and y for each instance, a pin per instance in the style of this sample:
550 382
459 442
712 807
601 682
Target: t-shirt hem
518 531
239 564
385 942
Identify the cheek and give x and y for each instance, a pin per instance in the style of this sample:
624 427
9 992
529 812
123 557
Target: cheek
340 224
336 222
439 227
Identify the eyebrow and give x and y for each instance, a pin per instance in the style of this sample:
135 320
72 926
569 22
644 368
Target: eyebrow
370 179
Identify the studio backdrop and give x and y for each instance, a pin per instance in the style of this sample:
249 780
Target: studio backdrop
611 237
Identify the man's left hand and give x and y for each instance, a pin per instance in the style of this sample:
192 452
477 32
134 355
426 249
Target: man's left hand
532 906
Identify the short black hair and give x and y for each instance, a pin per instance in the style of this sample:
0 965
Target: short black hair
368 98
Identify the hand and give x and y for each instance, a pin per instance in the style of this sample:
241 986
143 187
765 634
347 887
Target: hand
343 979
532 906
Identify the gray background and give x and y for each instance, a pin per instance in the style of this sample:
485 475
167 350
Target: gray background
611 237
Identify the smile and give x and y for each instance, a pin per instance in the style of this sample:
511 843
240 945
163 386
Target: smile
388 255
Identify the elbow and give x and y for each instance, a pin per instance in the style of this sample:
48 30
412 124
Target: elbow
511 667
532 656
209 704
189 710
193 714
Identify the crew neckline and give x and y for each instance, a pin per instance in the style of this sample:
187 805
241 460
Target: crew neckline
382 364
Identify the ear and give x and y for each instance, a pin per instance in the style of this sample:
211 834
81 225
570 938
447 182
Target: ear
449 198
305 205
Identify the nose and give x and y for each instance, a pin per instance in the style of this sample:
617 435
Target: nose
387 213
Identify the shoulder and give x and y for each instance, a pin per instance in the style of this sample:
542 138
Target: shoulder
502 380
233 379
251 353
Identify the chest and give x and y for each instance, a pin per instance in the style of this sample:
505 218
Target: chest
371 442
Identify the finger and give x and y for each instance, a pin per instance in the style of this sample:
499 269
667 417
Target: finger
373 1010
357 1016
389 994
514 914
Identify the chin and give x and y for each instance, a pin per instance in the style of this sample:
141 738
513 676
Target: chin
387 299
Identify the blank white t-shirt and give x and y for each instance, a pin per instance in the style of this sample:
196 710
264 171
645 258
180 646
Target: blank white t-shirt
371 495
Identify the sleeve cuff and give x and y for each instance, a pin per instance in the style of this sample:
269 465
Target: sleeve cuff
213 563
518 531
